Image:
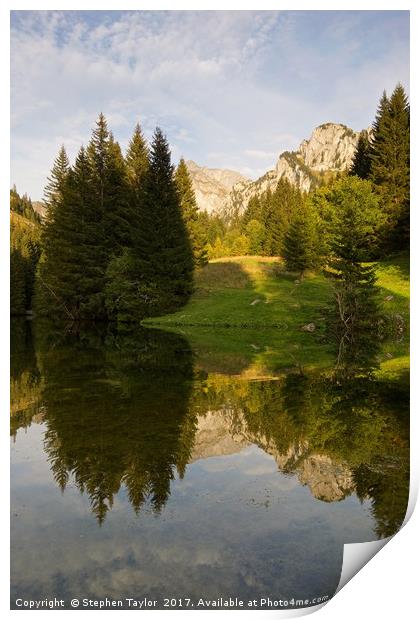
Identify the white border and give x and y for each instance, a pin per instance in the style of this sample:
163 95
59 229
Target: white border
387 586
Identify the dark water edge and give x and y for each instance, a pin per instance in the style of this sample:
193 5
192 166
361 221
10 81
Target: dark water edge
136 473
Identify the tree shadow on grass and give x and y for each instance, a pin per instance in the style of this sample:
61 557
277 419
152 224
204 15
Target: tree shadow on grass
226 275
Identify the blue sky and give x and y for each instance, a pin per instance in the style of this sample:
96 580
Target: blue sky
231 89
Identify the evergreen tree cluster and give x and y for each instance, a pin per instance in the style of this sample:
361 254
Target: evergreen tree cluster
383 157
275 212
120 237
262 228
287 223
23 206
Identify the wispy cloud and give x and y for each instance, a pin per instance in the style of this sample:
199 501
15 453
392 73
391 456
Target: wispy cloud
244 84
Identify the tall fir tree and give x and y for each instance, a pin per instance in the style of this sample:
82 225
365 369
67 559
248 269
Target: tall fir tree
88 256
46 297
53 192
109 185
361 163
354 220
390 165
123 300
118 217
137 166
283 204
137 160
300 241
189 209
71 275
162 250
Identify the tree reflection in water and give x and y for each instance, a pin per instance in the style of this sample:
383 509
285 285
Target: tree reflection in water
126 410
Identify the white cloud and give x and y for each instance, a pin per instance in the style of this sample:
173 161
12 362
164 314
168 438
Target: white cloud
246 85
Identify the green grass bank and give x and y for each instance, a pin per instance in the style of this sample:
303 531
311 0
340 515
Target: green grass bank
249 311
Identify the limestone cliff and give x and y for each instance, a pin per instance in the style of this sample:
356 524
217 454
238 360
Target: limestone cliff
212 185
329 150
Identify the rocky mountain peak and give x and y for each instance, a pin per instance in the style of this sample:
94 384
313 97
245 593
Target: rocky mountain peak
212 185
330 147
329 150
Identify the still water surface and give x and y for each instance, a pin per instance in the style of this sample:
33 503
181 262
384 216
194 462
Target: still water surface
137 473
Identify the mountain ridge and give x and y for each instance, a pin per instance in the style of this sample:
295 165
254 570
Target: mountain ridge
328 151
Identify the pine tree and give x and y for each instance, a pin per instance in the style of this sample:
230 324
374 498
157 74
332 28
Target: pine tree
253 210
123 300
56 292
390 168
155 276
137 161
190 212
286 201
47 299
53 191
88 256
300 242
255 233
361 163
354 221
71 275
162 249
117 215
110 189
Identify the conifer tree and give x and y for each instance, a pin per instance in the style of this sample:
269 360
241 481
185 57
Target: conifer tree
162 250
255 233
361 163
137 161
300 242
274 210
88 256
190 212
56 281
117 214
354 220
109 186
390 167
253 210
155 275
53 192
122 295
47 298
72 271
286 200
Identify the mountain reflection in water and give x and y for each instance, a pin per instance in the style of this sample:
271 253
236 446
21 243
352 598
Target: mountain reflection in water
130 420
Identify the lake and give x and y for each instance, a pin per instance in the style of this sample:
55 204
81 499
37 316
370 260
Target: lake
139 472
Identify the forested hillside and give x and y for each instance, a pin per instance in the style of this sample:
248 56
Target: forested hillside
25 250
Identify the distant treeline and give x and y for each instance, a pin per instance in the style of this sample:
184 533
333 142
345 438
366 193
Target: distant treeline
382 157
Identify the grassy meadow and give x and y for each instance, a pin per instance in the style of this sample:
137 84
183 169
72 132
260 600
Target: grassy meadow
247 313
